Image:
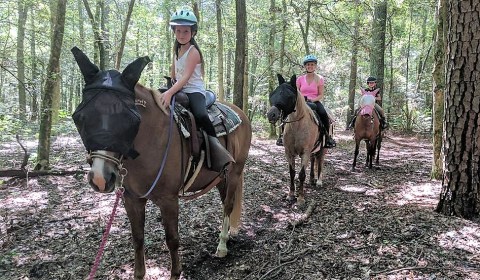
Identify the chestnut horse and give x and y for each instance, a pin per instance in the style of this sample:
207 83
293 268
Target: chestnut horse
300 135
134 143
367 127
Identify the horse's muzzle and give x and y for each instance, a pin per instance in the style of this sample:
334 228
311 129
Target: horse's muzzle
273 114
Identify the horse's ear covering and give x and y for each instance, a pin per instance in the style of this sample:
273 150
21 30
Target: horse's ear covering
280 78
88 69
133 71
293 81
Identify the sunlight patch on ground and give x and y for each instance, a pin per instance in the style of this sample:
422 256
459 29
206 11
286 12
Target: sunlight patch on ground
422 194
360 189
466 239
30 199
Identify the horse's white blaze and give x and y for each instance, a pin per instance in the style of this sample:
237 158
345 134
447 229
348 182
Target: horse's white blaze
97 168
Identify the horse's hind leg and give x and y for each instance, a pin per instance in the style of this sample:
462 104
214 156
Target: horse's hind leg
357 144
291 192
135 208
319 159
379 145
169 210
300 192
313 174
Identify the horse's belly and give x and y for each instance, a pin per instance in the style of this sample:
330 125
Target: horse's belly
203 179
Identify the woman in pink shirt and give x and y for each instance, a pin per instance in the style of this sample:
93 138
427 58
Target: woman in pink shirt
311 86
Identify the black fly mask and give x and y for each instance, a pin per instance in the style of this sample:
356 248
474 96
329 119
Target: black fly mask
284 97
107 118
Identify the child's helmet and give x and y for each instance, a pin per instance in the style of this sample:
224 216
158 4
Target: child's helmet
183 17
371 79
309 58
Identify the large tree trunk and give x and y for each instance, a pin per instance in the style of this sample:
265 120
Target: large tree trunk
22 97
438 78
352 86
240 52
460 195
51 88
377 57
221 90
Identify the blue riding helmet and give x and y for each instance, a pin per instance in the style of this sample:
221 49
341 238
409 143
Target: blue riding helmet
183 17
309 58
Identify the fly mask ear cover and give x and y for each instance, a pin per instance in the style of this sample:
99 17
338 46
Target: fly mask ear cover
284 97
107 118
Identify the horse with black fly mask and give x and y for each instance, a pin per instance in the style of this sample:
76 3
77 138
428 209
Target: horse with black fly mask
302 135
135 144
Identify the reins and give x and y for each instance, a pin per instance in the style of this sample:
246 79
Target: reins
164 160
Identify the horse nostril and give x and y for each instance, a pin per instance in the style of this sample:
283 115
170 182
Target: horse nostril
112 180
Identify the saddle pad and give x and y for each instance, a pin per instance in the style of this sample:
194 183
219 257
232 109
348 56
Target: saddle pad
224 119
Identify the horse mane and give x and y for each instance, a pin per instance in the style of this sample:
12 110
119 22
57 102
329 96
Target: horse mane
154 94
302 106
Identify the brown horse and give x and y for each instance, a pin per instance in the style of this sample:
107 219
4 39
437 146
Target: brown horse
133 142
300 135
367 127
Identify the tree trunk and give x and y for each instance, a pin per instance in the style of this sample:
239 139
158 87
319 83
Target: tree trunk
34 72
99 42
124 35
377 58
303 29
221 90
352 87
271 59
438 79
240 52
22 97
51 86
460 195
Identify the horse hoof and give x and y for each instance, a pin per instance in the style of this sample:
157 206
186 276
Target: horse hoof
301 202
221 253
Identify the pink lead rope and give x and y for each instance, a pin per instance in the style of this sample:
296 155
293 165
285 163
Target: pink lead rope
119 194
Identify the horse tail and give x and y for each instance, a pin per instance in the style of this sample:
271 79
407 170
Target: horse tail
235 216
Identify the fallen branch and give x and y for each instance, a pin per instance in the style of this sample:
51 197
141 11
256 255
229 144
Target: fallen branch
17 173
305 217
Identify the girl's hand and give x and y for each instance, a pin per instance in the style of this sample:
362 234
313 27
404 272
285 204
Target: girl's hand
166 99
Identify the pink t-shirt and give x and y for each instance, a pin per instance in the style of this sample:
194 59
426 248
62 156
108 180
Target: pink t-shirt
309 90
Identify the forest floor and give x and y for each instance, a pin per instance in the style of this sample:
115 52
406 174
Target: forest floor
368 224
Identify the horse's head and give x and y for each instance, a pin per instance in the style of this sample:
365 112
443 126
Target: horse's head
107 118
282 99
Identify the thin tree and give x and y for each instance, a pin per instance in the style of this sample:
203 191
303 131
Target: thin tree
240 52
460 195
352 86
51 89
100 58
271 59
121 47
438 77
22 96
221 90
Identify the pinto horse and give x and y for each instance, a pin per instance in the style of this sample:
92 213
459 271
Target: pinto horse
133 143
367 127
301 134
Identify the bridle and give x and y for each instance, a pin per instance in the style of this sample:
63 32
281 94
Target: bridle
117 162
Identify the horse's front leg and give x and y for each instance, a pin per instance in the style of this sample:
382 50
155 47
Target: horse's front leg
169 209
135 208
291 193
